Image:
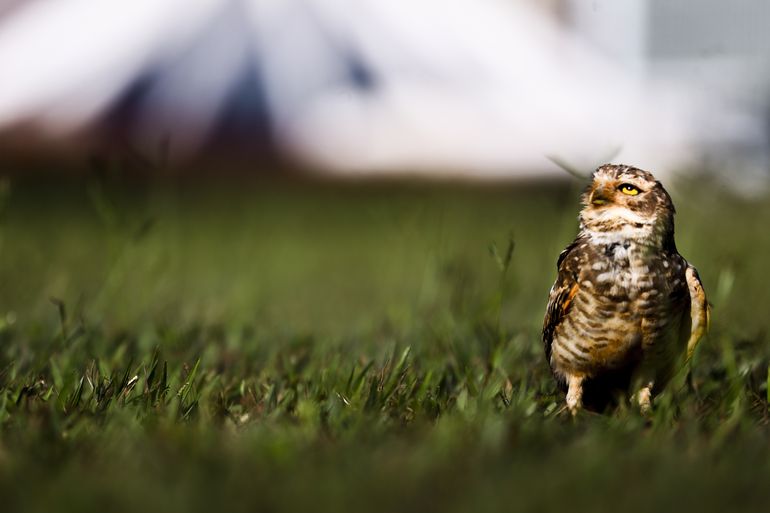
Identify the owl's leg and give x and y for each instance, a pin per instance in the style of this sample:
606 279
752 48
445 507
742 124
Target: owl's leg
644 398
574 393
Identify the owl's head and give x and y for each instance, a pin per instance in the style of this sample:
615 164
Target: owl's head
626 202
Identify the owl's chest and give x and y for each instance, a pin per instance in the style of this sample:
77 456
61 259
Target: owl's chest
623 304
629 290
623 272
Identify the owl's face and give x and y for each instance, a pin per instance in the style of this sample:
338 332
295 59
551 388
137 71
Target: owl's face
628 202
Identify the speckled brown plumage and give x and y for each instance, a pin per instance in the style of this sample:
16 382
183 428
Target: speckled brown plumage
626 306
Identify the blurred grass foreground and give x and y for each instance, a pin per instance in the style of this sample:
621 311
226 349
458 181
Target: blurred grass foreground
282 345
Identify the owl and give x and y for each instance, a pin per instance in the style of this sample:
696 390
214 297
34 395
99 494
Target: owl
626 308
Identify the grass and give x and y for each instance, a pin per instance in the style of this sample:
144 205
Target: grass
282 346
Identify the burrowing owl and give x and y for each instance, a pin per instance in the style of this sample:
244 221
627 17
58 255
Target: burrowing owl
626 306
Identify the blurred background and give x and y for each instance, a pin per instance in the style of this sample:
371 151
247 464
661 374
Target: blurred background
204 161
494 89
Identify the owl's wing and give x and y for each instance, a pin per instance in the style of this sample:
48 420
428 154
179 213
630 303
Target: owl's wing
699 309
562 293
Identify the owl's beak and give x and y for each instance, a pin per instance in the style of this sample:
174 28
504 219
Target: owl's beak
601 196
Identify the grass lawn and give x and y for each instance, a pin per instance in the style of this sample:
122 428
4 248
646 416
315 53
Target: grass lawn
290 346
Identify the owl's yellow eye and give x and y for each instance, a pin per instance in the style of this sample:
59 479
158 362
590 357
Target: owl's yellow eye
629 189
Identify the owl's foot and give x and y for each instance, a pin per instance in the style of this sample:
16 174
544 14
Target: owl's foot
574 393
644 399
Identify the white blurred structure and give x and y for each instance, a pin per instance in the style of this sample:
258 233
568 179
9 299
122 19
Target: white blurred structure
493 88
719 50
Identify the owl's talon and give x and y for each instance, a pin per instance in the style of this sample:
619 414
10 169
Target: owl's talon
644 399
575 394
